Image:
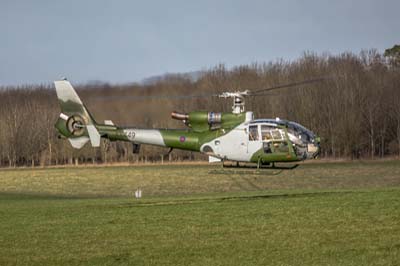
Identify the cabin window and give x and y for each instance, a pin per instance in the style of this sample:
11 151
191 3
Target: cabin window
266 132
269 133
253 133
276 134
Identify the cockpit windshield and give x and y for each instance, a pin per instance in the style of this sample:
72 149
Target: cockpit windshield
293 128
300 131
272 131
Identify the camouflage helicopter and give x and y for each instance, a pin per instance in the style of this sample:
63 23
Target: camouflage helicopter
235 136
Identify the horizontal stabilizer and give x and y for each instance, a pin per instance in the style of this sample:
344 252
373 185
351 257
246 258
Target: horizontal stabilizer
108 123
78 143
94 135
212 159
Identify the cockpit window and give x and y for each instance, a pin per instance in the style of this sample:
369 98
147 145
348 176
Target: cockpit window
300 131
253 133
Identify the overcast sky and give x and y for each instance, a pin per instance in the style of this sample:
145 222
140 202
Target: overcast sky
125 41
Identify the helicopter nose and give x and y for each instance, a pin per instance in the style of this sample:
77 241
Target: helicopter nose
317 143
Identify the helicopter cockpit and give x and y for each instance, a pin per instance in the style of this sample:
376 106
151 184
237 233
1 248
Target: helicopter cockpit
300 132
305 142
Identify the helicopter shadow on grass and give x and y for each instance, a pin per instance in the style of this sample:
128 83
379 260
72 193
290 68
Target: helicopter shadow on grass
246 184
235 198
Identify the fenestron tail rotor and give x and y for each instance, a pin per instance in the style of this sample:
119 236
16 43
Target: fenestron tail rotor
76 125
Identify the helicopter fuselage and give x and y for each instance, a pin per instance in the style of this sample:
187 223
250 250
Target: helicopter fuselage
264 140
232 136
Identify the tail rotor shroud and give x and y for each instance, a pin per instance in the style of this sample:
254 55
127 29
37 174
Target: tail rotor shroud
76 125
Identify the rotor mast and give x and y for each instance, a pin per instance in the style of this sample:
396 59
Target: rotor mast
238 100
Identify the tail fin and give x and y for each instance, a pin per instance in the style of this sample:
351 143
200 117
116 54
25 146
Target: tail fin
75 121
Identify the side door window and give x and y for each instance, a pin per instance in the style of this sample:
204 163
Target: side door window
253 133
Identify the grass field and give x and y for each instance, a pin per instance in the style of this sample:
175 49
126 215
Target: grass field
318 214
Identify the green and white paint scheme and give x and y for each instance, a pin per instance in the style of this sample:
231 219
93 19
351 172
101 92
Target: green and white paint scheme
232 136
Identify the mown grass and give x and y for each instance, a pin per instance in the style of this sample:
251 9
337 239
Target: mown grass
156 180
320 214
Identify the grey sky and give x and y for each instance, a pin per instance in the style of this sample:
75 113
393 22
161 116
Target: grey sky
124 41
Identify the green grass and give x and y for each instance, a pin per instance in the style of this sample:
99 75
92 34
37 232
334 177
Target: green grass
319 214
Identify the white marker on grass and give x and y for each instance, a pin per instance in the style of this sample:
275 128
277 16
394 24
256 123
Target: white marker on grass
138 193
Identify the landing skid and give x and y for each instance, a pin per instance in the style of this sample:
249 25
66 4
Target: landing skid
272 166
248 171
255 169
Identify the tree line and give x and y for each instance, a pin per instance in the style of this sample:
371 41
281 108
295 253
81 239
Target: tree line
355 110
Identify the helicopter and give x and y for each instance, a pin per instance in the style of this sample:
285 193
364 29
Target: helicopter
234 136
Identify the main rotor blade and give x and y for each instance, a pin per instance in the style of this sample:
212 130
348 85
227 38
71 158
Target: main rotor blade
259 92
264 94
288 85
150 97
